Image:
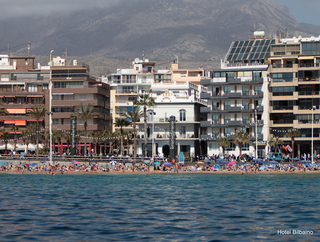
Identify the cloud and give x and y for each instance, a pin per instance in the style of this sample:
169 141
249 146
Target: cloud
22 8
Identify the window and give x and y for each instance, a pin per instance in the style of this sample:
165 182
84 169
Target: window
32 88
256 76
215 134
227 119
227 132
182 131
283 91
213 146
245 147
150 115
232 147
227 105
4 77
182 114
215 119
282 77
55 121
227 90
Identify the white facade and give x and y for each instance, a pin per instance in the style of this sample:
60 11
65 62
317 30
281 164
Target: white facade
173 100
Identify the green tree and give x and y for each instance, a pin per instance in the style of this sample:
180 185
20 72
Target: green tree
275 142
86 113
135 115
121 122
224 143
38 113
146 101
292 133
241 138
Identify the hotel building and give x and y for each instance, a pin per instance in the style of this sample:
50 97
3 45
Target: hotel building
238 98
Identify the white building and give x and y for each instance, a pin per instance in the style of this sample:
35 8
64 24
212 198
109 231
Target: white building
179 100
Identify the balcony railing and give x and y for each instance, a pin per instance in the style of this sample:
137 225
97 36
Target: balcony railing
309 65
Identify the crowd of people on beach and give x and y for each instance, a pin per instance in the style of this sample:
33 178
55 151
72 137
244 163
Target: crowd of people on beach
176 167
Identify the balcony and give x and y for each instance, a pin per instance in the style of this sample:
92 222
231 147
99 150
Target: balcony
233 81
253 137
205 124
234 123
252 81
205 82
234 109
234 95
205 109
205 136
303 65
204 95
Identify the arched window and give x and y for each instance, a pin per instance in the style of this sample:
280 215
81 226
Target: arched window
183 115
150 115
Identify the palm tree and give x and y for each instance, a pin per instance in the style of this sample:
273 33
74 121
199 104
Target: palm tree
135 116
224 143
293 133
15 129
275 141
37 113
86 113
5 136
241 138
145 100
128 136
25 135
121 122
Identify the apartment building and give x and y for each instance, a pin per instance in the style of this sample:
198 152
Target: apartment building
22 86
294 92
72 86
238 98
127 84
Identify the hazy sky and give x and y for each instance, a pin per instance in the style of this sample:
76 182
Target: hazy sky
304 10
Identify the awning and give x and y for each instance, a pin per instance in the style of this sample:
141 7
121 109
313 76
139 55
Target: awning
9 96
16 110
9 122
14 133
34 120
34 96
20 122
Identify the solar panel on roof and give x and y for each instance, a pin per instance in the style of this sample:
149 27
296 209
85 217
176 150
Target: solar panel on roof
249 50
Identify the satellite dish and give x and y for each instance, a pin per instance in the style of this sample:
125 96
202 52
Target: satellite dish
136 60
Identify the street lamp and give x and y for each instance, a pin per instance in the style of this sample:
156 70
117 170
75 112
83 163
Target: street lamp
256 122
50 108
153 135
313 108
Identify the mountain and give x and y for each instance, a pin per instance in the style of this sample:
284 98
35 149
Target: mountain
193 29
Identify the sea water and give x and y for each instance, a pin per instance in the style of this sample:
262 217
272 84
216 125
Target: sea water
159 207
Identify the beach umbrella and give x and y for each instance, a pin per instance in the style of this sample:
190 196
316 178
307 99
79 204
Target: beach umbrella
273 162
207 161
2 163
295 159
26 164
34 164
222 160
113 162
231 163
43 161
76 163
305 161
257 159
157 163
167 164
73 161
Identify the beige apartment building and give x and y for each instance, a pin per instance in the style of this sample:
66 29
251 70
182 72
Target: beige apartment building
294 93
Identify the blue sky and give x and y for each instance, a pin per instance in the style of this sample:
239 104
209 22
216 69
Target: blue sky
306 11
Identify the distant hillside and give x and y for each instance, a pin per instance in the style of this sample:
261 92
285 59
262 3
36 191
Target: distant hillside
196 30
